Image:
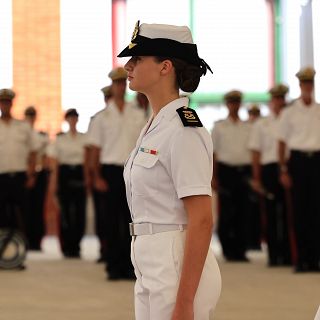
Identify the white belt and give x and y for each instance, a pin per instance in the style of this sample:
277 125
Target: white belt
140 229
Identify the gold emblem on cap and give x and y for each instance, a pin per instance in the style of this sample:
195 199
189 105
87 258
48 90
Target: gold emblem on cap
134 35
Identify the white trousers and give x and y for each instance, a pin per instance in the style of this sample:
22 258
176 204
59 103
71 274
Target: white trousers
157 260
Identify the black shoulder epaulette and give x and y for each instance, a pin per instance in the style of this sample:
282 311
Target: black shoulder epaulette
189 117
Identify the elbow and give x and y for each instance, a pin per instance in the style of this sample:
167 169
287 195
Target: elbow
205 223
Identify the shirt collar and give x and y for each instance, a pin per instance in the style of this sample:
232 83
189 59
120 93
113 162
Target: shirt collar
304 106
169 111
112 106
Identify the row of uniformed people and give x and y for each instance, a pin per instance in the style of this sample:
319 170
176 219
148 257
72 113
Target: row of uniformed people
28 153
24 170
285 172
299 132
232 177
95 162
23 173
18 146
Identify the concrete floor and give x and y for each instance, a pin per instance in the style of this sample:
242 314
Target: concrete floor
53 288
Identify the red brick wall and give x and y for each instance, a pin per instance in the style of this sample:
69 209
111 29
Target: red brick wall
36 69
36 60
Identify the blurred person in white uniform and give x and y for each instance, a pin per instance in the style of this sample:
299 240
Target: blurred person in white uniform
142 102
35 222
231 175
100 215
112 136
254 232
263 144
17 164
254 112
168 181
68 180
299 131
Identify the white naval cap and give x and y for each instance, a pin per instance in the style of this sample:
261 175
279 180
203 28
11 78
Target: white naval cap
164 40
178 33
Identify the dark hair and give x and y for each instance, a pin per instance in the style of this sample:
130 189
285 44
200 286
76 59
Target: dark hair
71 113
187 75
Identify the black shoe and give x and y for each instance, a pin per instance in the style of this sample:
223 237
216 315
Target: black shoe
237 259
314 267
301 268
101 260
114 276
34 247
71 254
22 267
129 275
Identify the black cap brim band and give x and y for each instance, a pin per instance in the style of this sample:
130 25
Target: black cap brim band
160 47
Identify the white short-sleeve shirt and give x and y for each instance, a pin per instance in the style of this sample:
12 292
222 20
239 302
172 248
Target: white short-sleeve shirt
68 149
299 126
17 140
264 138
116 132
230 141
169 162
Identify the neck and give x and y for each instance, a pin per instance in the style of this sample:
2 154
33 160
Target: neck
6 117
234 117
158 101
119 101
276 113
73 130
307 100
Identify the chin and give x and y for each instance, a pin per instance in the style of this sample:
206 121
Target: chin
133 87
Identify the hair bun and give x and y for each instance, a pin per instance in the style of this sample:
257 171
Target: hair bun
189 78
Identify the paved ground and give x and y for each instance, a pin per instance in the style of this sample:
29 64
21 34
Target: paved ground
53 288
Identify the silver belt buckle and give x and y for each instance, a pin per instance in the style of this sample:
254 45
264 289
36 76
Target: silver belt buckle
131 228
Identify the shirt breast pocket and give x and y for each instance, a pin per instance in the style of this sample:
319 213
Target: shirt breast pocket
144 175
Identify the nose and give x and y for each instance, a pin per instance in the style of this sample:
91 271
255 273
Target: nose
129 65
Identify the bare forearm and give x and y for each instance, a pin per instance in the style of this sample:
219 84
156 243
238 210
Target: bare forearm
197 244
256 166
87 167
282 154
95 161
53 181
31 164
214 173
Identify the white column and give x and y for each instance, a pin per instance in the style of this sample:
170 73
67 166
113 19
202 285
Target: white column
6 68
85 55
306 34
291 44
316 47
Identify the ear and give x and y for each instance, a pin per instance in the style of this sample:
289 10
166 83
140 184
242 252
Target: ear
166 68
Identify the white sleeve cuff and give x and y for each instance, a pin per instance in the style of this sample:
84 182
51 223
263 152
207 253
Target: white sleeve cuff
194 191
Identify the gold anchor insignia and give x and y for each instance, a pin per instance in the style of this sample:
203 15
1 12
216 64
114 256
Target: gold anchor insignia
134 34
189 116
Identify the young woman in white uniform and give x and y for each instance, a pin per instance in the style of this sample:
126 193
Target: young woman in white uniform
168 181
